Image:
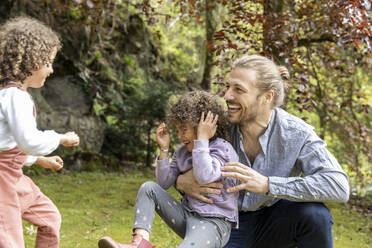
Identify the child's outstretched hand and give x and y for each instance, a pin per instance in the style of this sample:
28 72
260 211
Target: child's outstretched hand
207 127
162 137
54 162
69 139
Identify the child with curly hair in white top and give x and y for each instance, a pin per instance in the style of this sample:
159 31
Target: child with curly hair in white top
27 51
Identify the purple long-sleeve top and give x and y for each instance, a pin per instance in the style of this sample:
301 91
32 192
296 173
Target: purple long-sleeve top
206 159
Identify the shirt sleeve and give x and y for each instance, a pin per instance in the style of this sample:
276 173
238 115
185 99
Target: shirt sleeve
30 160
167 172
22 123
207 161
324 179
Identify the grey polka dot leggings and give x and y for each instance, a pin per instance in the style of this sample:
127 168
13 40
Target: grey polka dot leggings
196 231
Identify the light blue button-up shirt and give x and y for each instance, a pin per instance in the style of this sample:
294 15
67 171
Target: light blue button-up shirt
290 147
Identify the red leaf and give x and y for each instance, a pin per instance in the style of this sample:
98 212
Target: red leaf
234 46
357 42
219 33
192 3
210 46
199 20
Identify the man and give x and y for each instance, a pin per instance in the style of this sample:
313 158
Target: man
278 207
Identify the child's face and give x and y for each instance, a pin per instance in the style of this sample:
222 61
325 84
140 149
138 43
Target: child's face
187 135
38 77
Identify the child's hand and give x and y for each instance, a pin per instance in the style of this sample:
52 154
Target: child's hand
162 137
69 139
207 127
54 162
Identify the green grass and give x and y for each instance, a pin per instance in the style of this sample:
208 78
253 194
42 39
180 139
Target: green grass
93 205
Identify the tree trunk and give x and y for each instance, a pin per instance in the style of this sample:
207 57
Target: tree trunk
272 9
210 28
148 146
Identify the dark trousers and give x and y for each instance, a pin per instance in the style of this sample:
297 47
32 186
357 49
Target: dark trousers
285 224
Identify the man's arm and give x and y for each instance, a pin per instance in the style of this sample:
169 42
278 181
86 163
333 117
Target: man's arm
324 180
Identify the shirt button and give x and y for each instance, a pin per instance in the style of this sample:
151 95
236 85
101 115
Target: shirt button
247 193
277 191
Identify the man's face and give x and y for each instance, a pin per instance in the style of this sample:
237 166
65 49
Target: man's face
242 96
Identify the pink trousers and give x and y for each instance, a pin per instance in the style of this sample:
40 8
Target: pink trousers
21 199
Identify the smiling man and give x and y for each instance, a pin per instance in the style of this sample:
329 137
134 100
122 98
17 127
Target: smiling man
277 206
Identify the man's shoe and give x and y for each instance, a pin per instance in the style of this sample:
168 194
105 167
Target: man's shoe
137 242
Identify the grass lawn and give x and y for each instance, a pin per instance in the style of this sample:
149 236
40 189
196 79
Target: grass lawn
98 204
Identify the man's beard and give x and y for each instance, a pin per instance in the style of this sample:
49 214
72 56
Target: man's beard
244 117
250 117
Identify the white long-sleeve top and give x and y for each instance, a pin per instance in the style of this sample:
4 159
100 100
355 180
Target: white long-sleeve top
18 126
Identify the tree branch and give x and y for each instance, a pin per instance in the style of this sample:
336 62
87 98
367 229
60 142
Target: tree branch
323 38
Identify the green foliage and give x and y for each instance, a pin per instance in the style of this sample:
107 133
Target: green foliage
181 42
36 170
131 55
130 136
94 205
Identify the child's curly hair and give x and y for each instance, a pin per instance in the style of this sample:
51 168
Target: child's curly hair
26 45
189 107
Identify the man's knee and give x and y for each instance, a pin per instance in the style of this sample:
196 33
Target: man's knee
315 214
314 227
315 224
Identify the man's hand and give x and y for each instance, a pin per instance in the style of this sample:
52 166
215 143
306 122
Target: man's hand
54 162
250 179
186 183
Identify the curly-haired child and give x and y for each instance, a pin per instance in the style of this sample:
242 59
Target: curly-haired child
27 51
201 125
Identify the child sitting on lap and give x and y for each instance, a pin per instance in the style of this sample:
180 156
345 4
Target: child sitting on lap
202 127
